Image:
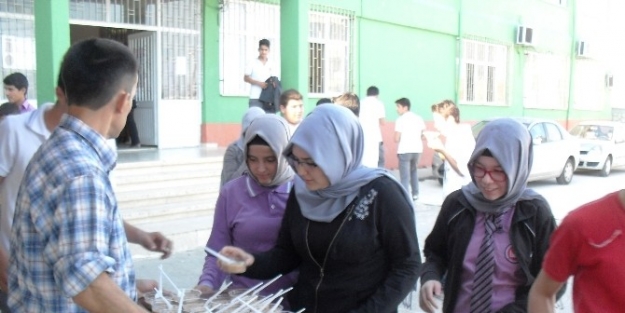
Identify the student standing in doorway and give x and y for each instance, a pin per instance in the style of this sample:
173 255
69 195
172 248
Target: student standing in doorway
258 71
408 132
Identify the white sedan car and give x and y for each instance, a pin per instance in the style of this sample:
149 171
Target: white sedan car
556 152
602 145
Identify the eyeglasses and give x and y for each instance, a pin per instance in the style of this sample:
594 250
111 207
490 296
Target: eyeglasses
496 175
295 162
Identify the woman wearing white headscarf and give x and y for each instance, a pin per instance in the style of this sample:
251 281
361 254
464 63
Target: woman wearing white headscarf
490 236
234 158
250 208
349 229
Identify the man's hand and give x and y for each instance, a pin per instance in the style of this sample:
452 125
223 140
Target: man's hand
151 241
157 242
145 285
262 84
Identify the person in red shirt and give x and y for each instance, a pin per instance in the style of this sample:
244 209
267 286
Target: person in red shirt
590 246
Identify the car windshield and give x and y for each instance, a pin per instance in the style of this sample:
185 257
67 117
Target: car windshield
593 132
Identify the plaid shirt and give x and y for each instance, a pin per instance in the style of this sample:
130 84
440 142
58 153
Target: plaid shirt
67 228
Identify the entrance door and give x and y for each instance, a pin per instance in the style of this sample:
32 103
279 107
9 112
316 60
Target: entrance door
143 45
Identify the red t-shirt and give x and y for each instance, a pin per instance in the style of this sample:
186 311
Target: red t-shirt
590 244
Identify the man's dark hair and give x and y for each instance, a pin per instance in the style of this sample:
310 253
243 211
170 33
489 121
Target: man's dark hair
8 108
404 102
323 101
18 80
94 70
373 91
264 42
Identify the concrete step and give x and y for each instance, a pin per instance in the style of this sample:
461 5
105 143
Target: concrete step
168 212
161 196
176 180
139 172
186 233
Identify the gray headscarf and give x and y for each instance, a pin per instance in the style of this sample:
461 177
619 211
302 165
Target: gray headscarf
332 136
509 142
276 133
248 117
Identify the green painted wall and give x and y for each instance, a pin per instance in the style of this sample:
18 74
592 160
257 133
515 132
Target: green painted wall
52 33
409 48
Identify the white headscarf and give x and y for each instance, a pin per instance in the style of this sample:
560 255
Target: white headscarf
332 136
273 130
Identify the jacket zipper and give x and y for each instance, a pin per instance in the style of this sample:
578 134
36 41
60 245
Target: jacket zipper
325 259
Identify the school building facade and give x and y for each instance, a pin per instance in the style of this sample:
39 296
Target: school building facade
541 58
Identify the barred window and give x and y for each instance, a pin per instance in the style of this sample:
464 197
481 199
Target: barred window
546 81
245 22
140 12
181 49
330 52
590 82
483 73
17 41
242 25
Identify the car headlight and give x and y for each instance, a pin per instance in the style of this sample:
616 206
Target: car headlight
596 150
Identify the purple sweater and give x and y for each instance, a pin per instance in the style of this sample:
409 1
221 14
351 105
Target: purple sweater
248 216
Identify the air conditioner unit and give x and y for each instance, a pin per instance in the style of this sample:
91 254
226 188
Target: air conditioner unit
525 36
609 80
583 49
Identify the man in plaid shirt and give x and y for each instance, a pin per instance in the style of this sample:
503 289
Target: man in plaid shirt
69 252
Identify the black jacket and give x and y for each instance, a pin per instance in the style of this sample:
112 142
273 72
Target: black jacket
270 96
530 230
372 259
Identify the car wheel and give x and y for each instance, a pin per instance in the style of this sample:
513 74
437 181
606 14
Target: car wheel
567 173
607 168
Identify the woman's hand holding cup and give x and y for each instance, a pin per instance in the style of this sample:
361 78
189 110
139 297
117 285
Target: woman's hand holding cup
239 260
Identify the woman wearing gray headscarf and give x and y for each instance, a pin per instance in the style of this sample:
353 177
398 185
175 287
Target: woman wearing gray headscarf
234 158
250 208
490 237
350 230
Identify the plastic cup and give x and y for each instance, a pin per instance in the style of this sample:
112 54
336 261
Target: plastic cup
438 299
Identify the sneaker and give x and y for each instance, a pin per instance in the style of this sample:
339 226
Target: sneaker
136 146
415 197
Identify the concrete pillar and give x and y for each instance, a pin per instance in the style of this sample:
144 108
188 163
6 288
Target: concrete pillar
294 45
52 41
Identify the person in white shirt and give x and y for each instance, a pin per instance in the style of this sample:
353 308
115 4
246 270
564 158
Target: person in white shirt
258 71
292 108
457 150
409 129
371 118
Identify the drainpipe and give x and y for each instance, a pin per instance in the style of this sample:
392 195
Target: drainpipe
573 19
458 50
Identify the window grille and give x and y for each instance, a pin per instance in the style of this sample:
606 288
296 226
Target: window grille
181 45
330 57
139 12
244 22
546 81
483 78
17 6
590 90
242 25
17 41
